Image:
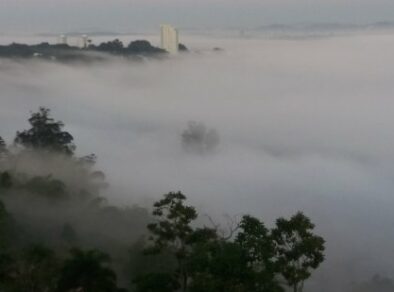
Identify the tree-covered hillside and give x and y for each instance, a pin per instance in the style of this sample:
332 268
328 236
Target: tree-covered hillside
58 234
67 53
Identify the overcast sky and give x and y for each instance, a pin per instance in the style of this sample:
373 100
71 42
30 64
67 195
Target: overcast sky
138 15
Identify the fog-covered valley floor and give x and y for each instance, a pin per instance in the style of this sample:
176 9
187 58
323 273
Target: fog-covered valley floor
304 125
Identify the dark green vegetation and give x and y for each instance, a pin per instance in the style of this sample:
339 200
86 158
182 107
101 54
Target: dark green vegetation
58 234
63 52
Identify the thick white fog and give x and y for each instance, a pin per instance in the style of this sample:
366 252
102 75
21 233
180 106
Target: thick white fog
304 125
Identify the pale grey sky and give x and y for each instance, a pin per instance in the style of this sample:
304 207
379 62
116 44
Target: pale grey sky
137 15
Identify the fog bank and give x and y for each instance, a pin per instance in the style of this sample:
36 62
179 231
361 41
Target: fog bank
303 124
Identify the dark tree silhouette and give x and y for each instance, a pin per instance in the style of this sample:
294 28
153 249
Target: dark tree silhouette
114 47
2 145
5 180
46 134
87 271
36 270
3 150
220 265
256 241
4 226
299 250
183 48
198 139
142 47
173 230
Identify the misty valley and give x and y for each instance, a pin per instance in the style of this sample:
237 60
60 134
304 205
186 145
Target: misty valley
266 166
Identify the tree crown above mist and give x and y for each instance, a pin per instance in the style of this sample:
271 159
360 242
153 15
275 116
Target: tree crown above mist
46 134
198 139
254 260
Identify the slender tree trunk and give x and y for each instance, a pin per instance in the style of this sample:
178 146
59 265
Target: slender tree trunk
295 288
184 283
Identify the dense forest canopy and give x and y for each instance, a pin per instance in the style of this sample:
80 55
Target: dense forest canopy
58 234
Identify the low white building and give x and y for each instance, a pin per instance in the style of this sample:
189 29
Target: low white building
169 39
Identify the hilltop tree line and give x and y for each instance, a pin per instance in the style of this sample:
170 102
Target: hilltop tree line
64 52
58 234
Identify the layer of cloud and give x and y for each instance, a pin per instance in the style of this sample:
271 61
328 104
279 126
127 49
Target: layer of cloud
304 125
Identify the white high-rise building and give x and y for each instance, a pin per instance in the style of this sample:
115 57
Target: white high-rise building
62 40
169 39
84 41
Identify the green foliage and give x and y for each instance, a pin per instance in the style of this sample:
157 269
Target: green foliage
2 144
253 261
255 239
220 266
66 53
180 256
113 47
198 139
156 282
6 269
46 134
47 187
6 227
173 230
143 47
299 250
173 227
3 148
36 270
87 271
183 48
59 177
5 180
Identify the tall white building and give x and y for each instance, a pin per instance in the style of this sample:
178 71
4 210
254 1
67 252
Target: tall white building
169 39
62 40
83 41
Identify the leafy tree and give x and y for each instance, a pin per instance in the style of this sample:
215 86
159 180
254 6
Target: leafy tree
3 148
5 227
6 270
5 180
183 48
220 265
198 139
36 270
255 239
114 47
47 187
6 259
87 271
173 230
299 250
46 134
143 47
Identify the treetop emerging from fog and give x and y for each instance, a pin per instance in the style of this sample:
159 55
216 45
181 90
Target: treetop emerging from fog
46 134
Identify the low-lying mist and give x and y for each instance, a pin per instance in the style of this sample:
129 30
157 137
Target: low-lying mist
303 125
